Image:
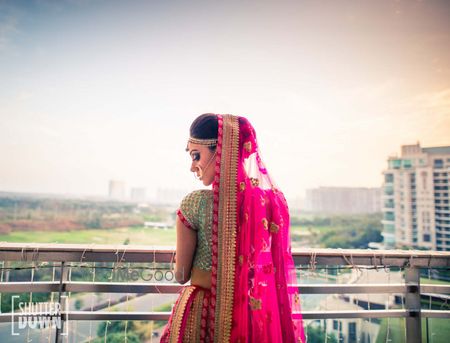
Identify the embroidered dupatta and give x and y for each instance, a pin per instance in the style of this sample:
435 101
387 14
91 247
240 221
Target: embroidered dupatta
251 299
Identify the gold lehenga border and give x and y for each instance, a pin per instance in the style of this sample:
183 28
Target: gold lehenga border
193 324
178 315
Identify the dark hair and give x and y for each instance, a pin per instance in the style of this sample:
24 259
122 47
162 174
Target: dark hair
205 126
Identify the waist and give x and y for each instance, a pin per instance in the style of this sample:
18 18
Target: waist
200 277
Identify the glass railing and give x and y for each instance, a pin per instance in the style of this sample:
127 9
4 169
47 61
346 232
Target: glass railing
105 292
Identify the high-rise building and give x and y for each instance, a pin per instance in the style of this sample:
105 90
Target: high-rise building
416 210
117 190
343 200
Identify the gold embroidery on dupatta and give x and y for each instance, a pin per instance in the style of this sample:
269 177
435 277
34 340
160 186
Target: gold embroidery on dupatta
248 146
227 229
265 223
274 227
255 304
254 181
242 186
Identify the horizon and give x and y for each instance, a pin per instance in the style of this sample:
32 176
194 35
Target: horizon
148 198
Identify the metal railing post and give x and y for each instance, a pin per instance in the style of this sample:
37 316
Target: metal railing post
61 290
412 304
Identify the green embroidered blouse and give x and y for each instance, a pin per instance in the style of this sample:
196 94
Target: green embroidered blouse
197 210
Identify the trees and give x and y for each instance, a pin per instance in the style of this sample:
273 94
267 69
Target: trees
317 334
136 331
342 231
115 332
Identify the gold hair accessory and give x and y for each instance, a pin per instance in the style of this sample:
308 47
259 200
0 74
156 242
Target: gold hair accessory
207 142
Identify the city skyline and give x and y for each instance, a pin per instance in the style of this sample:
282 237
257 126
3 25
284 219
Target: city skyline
91 92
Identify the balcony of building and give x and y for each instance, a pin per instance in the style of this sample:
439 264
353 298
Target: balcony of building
356 295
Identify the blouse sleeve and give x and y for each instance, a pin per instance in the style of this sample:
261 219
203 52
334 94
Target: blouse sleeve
189 208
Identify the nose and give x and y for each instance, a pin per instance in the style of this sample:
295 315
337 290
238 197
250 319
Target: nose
193 167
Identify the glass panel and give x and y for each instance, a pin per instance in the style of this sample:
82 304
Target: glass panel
438 163
389 216
395 164
389 190
407 163
388 178
392 330
435 329
389 203
389 228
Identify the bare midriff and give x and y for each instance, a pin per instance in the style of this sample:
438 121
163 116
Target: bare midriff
200 277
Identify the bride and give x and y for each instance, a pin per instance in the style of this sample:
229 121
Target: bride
233 244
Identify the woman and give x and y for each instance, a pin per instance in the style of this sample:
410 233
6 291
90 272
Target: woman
233 244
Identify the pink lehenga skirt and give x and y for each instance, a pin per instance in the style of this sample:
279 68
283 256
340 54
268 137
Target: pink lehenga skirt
189 319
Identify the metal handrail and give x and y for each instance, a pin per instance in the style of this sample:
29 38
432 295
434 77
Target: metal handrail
140 253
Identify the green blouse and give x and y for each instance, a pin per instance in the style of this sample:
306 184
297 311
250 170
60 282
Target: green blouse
196 212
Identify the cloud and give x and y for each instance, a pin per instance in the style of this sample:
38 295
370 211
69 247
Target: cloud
8 27
438 101
428 116
370 91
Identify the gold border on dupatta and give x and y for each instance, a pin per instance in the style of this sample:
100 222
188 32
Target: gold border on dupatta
227 226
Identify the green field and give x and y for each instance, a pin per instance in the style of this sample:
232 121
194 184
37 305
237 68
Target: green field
396 330
438 330
132 236
432 281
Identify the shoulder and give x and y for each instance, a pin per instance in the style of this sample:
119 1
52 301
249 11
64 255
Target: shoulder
197 196
192 204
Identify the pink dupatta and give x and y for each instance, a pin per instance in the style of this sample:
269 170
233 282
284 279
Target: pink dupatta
252 299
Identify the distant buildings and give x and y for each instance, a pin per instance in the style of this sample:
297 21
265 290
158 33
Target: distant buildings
164 196
170 196
116 190
351 329
159 225
416 210
138 194
343 200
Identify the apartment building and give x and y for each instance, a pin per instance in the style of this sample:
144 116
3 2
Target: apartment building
416 212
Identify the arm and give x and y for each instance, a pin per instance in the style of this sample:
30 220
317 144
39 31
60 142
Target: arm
186 243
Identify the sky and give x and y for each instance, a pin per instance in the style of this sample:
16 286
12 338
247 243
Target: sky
97 90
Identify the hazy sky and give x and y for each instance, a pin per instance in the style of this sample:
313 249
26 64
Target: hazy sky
95 90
